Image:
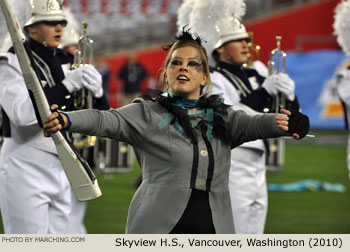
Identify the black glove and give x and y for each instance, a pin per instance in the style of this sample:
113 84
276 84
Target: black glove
298 123
59 117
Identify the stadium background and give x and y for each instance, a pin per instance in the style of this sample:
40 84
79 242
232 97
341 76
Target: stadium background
143 26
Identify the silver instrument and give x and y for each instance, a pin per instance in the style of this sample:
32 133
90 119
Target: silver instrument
105 155
277 64
84 55
83 98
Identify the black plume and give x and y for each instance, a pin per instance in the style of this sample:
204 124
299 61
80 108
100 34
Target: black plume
185 35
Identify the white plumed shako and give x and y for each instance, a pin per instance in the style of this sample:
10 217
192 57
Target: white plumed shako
230 29
44 10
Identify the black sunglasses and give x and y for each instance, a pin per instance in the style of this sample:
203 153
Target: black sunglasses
54 23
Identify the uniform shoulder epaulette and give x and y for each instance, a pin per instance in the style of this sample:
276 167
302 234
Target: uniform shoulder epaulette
64 55
61 51
250 71
3 58
12 50
212 69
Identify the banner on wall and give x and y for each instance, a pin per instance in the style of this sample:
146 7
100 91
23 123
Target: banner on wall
312 72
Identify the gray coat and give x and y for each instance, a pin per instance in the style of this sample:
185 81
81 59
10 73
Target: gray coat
166 161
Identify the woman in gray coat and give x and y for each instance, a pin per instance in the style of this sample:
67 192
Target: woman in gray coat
182 142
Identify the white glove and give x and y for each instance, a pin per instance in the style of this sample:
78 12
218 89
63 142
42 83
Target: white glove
86 76
286 86
73 80
92 80
344 73
270 84
343 85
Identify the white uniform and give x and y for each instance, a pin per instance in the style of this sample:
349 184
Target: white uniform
247 183
34 190
343 89
76 216
35 195
0 128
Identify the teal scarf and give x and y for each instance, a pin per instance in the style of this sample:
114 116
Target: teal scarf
196 116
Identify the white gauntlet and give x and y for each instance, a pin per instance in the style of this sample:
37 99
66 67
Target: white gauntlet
343 85
73 80
86 76
270 84
286 86
344 73
92 80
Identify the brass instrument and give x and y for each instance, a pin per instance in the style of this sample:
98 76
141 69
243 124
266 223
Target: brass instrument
277 64
83 98
84 55
254 50
277 60
105 155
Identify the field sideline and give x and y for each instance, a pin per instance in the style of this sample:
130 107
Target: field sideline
289 212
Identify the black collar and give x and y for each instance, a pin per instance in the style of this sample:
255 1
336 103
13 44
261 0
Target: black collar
51 57
235 69
40 49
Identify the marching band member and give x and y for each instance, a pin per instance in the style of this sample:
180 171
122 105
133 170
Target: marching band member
242 88
342 78
70 43
35 196
182 141
0 128
245 88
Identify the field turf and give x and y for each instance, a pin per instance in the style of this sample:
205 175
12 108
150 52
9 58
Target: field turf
289 212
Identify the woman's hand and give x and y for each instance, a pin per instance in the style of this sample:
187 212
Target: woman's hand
52 124
283 122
